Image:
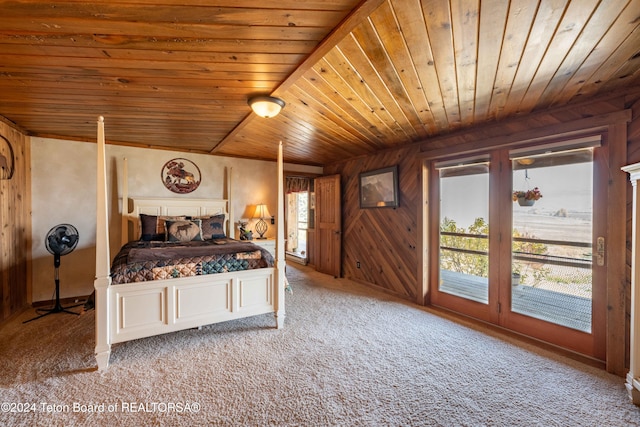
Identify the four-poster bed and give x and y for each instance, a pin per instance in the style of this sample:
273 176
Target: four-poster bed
140 309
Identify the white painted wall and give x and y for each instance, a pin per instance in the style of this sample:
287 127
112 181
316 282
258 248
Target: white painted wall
63 191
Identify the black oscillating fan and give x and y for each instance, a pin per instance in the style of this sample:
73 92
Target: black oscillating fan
61 240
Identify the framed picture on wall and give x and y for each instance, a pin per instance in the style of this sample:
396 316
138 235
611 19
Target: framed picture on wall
379 188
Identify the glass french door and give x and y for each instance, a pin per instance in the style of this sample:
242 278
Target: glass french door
463 263
520 237
552 252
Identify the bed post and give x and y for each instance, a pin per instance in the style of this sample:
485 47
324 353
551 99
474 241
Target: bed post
124 227
231 232
103 277
280 261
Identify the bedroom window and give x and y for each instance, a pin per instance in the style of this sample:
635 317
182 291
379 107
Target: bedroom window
464 226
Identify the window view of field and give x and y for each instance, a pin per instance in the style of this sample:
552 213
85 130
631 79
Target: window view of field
562 215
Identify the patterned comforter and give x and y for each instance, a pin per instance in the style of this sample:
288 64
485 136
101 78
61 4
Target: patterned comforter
141 261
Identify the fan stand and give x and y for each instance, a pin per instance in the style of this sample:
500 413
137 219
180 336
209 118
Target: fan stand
57 308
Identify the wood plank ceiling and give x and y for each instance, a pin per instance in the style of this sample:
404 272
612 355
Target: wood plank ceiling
357 76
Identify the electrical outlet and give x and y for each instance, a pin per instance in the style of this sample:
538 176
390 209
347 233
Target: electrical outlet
357 264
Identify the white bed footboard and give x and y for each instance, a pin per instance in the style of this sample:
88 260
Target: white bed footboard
153 308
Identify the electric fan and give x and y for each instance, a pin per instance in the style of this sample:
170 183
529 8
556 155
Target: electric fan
61 240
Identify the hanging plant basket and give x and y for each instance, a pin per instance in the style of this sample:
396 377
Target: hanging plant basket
526 198
525 202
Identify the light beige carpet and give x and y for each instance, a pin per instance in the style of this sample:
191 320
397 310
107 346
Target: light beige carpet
348 356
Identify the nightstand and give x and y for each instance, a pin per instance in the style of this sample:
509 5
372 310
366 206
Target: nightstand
268 244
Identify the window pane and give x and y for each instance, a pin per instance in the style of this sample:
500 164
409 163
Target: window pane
552 235
464 229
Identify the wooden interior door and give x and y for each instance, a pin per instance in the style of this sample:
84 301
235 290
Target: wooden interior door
328 225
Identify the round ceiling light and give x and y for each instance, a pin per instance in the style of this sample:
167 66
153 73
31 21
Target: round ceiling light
266 106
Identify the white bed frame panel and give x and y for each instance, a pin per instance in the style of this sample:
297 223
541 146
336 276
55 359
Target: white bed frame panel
137 310
146 309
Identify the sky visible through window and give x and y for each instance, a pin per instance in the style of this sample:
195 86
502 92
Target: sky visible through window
567 199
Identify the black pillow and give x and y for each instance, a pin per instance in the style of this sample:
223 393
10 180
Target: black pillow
149 227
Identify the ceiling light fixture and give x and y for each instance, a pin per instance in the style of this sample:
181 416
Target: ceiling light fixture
526 161
266 106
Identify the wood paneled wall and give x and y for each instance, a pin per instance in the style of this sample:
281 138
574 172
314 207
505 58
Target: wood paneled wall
384 241
15 227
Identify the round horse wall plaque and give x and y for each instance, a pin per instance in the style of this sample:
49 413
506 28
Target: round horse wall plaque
180 175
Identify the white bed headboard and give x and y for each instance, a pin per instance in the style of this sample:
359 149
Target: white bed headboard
135 206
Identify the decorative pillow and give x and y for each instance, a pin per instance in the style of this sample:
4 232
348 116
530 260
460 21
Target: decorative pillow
213 227
152 226
183 230
161 224
149 228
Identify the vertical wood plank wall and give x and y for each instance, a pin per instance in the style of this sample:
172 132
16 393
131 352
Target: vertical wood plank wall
15 228
384 240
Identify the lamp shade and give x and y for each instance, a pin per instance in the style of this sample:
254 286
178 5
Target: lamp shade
262 211
266 106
